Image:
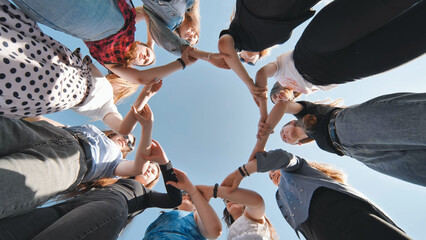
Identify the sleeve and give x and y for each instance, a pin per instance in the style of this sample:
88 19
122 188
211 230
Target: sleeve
307 109
277 159
163 36
172 198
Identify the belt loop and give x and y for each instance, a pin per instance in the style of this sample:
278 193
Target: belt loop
333 133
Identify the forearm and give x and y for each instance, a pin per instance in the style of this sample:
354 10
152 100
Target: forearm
208 222
145 76
146 139
129 122
173 198
262 82
226 47
199 54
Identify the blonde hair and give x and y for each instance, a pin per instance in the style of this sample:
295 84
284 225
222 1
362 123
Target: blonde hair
330 171
192 18
121 88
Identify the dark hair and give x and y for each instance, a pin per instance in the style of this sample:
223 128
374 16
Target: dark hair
307 123
278 87
227 218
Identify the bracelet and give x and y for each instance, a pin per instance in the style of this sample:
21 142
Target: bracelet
215 190
241 171
244 167
208 57
181 62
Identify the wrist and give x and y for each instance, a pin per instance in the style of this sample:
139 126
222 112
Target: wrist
182 63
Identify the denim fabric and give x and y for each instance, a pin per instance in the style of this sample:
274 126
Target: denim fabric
388 134
97 214
172 12
163 36
89 20
37 161
176 224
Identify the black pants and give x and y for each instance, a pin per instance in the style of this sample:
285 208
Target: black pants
334 215
97 214
351 39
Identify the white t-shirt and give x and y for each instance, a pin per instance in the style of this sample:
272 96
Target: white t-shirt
288 76
100 100
244 228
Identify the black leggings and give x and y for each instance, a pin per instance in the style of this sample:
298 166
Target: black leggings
335 215
97 214
351 39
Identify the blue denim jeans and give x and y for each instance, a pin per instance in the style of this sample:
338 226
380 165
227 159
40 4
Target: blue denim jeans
97 214
388 134
37 161
171 12
89 20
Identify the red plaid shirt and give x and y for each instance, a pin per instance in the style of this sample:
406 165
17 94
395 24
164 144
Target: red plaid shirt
111 50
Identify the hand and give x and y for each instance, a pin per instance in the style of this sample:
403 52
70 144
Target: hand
144 116
152 87
186 56
183 182
258 93
264 129
216 59
232 181
206 191
157 154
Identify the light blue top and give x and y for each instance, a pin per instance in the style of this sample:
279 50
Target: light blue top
165 17
106 155
176 225
298 183
163 36
170 12
89 20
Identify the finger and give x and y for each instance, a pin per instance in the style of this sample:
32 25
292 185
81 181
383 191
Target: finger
171 183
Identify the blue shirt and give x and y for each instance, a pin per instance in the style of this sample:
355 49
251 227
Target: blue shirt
176 225
170 12
105 153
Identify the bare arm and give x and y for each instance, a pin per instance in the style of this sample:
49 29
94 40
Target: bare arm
216 59
226 47
271 122
206 218
253 202
126 125
144 76
140 164
262 81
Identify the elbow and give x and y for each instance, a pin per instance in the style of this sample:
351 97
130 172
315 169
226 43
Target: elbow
215 231
176 202
224 44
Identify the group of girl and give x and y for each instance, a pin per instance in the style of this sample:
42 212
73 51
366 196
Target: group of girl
104 191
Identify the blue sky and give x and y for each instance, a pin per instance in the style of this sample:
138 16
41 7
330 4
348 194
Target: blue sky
206 121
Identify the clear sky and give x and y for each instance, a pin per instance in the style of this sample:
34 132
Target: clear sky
206 121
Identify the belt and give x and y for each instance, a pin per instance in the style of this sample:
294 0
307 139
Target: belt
333 134
85 145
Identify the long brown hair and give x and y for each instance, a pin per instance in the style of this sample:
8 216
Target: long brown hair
309 121
104 182
131 54
229 220
330 171
121 88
